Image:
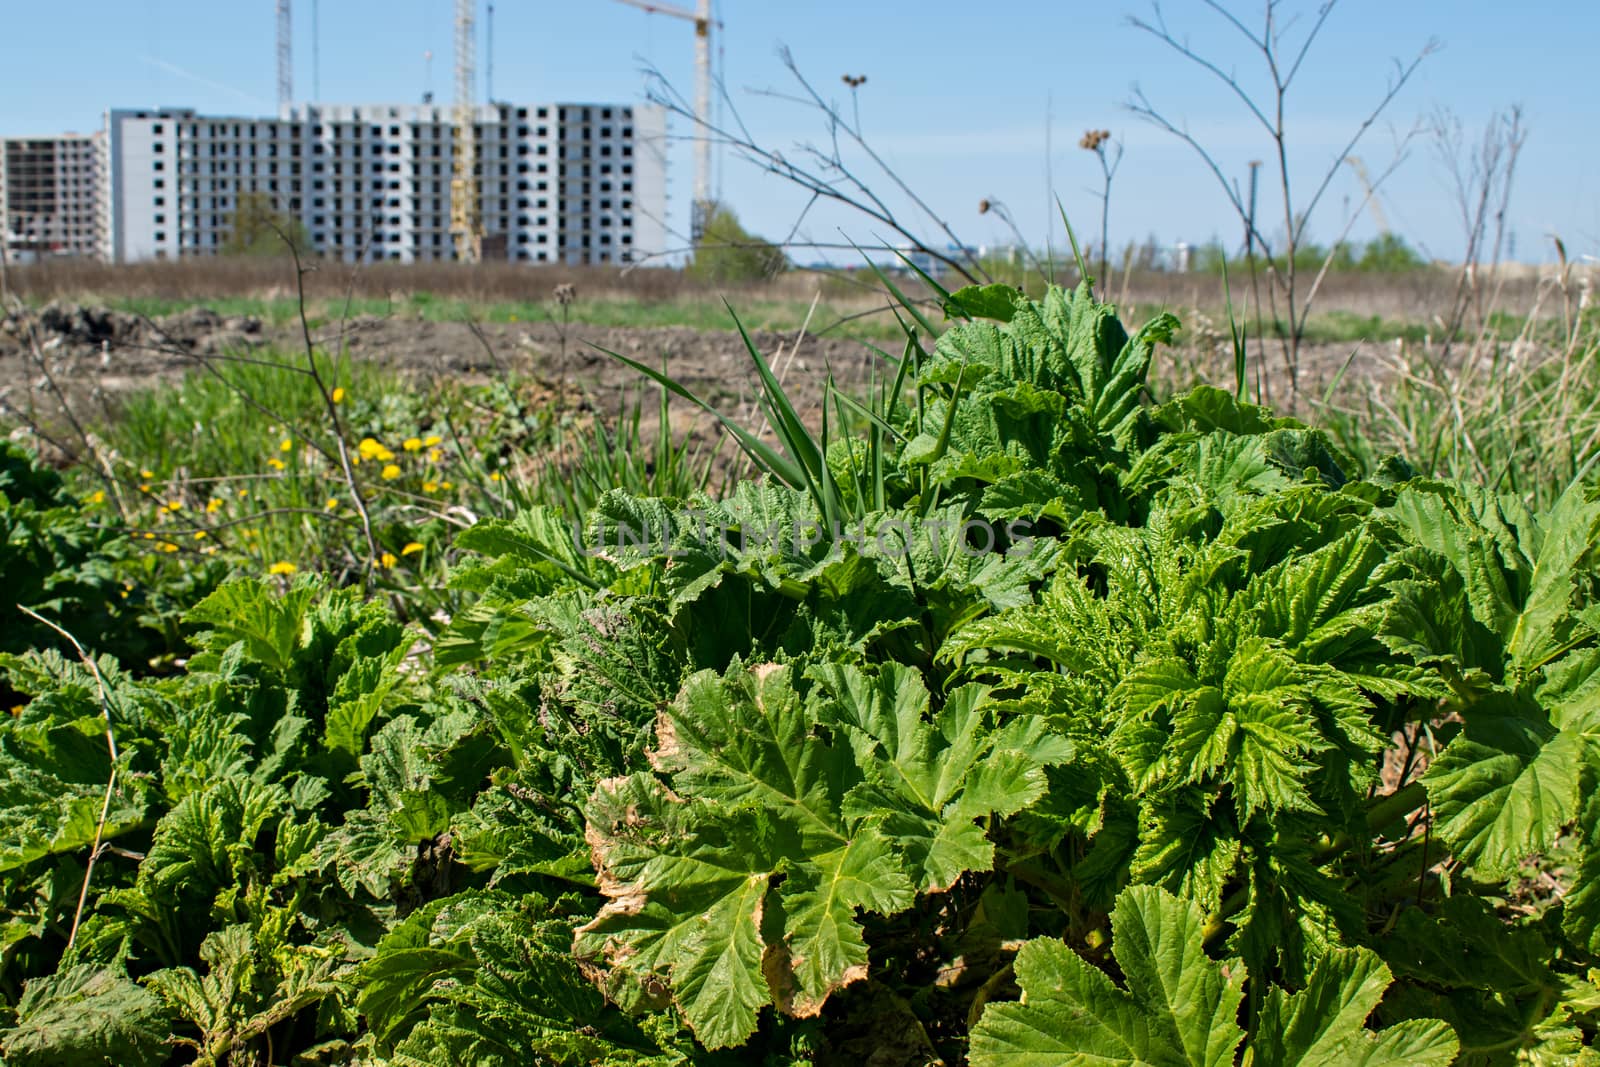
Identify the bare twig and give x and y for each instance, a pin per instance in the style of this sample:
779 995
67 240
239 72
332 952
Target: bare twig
332 410
1096 141
1268 110
111 778
825 172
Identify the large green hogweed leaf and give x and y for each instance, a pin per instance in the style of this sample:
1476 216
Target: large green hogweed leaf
793 808
1180 1007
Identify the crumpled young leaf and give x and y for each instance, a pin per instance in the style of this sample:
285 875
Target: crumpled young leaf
89 1015
1515 776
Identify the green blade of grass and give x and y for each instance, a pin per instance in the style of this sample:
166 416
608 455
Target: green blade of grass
901 298
762 454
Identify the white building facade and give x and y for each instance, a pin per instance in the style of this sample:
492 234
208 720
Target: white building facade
52 196
557 183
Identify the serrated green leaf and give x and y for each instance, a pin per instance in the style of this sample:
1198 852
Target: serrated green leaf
1505 787
1178 1007
87 1015
1324 1025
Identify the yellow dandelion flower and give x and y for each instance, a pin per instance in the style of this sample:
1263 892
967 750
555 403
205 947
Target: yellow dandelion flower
338 394
412 444
97 497
167 546
371 449
144 488
391 472
412 548
494 476
332 504
275 463
431 440
123 593
282 567
430 487
435 455
242 493
148 536
386 560
147 474
213 506
199 535
174 505
447 485
285 445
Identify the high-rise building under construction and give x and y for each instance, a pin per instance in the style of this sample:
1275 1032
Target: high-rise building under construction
52 196
573 183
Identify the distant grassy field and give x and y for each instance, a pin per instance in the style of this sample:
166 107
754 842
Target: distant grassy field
1350 308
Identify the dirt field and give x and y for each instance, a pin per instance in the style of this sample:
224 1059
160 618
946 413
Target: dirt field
91 350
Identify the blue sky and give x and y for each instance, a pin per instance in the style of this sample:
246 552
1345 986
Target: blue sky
957 96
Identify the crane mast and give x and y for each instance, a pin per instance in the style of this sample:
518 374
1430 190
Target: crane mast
700 211
285 57
1378 216
464 228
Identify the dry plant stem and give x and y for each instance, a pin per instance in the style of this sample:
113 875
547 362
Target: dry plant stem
332 411
1282 69
207 364
854 133
1349 224
1482 177
484 343
1095 141
100 465
111 779
36 353
824 174
1003 213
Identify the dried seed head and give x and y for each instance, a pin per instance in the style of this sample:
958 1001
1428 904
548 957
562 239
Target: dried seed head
566 293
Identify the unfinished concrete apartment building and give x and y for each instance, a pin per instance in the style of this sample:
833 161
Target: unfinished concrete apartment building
53 195
557 183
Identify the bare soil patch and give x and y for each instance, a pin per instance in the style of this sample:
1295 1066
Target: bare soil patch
91 350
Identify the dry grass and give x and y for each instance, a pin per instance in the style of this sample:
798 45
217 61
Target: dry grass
1416 297
273 277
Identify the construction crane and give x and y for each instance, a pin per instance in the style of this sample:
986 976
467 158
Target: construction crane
465 231
1365 179
285 58
700 211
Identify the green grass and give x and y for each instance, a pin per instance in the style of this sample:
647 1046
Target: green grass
706 313
244 466
588 457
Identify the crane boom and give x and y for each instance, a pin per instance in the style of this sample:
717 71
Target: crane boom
1357 165
464 229
700 212
285 57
